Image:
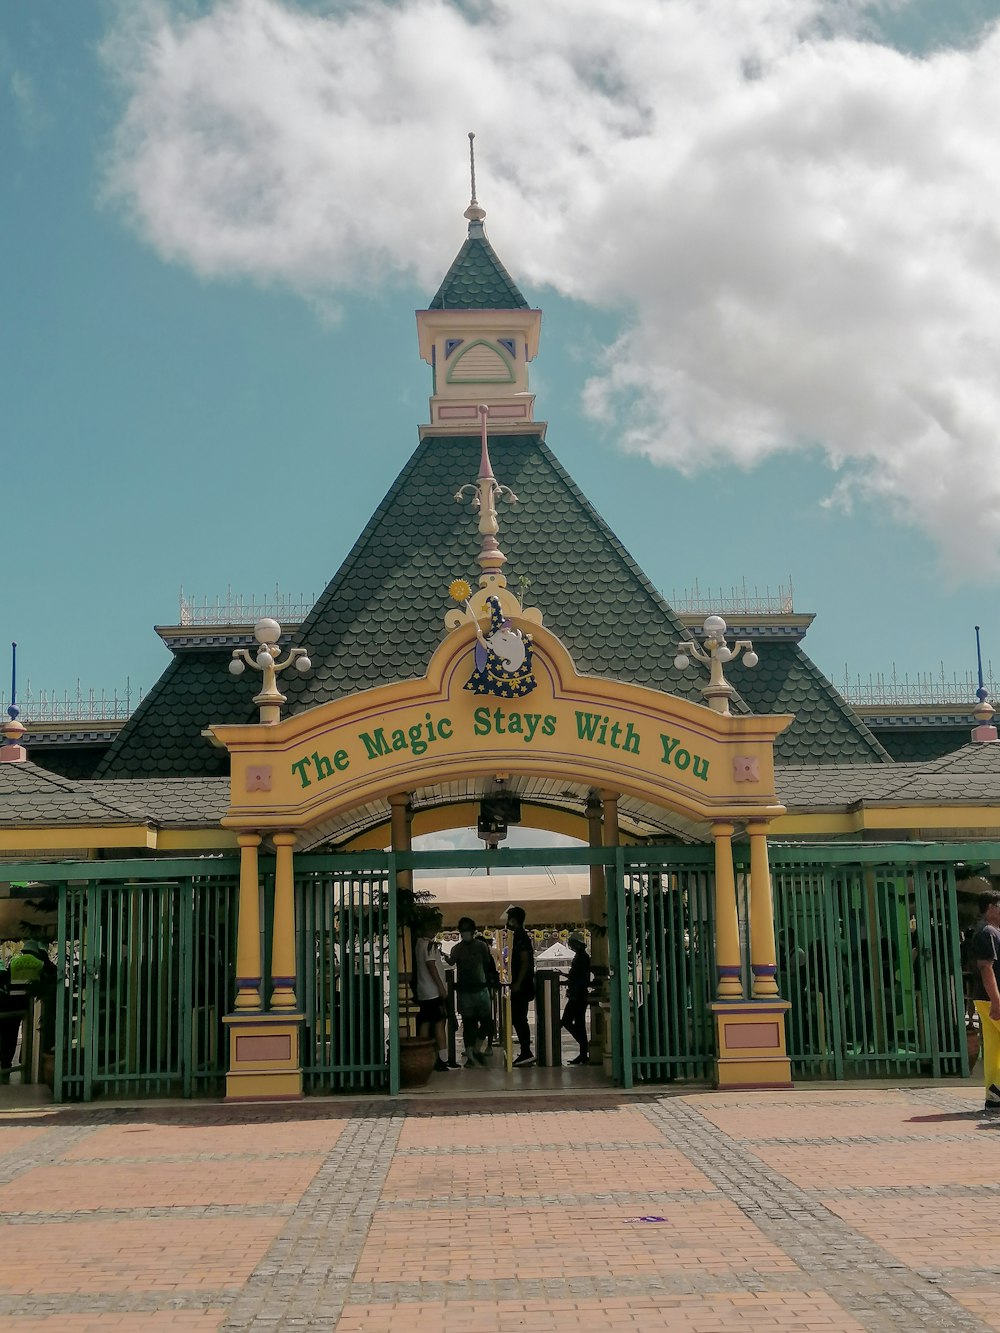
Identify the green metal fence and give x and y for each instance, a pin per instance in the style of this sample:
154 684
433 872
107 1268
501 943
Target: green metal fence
662 939
146 973
347 982
868 955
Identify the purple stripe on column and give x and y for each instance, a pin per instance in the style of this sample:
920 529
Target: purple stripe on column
763 969
726 971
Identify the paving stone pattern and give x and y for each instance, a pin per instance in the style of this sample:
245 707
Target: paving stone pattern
811 1211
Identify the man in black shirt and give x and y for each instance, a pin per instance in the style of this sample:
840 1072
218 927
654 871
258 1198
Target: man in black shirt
473 965
985 949
574 1018
522 983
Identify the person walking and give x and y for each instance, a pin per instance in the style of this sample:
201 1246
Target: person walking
11 1013
985 951
522 984
431 987
473 964
574 1018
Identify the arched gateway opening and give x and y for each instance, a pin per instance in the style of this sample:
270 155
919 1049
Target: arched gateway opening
599 757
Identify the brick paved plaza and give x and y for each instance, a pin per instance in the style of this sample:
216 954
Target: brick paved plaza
819 1210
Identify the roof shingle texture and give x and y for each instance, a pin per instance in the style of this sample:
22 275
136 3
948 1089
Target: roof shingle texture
163 737
970 775
30 795
381 617
478 281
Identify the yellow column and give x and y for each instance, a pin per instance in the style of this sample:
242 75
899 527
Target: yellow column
598 885
727 926
248 969
763 959
283 938
400 827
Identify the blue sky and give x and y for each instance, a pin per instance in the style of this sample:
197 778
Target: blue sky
208 348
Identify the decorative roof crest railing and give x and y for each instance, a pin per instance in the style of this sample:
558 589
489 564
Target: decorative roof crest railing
83 706
234 609
738 601
893 691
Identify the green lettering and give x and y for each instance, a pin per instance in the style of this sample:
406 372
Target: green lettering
399 739
631 741
549 725
417 743
324 769
481 721
498 720
445 722
682 759
300 767
700 768
341 761
375 745
514 724
586 726
532 720
669 745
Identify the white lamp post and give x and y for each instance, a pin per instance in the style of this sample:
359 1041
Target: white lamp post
715 653
267 632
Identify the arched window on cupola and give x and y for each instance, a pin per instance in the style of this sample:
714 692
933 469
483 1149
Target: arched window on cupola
481 363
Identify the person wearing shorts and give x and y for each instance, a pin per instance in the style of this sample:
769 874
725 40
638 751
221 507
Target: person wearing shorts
431 988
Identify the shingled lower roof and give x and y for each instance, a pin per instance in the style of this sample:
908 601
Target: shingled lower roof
30 795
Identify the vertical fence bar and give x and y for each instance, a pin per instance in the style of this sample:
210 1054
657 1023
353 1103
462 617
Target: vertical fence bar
391 934
951 965
62 997
925 971
620 901
189 905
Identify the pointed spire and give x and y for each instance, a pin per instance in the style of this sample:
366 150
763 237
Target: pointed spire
984 730
484 494
477 280
474 212
12 751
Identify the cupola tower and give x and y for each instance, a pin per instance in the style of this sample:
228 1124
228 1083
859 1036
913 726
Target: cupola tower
478 336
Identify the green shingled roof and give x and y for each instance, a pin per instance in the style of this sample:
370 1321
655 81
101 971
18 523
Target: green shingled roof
477 280
381 617
162 738
826 730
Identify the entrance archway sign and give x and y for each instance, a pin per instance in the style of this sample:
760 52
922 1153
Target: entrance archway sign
713 769
299 772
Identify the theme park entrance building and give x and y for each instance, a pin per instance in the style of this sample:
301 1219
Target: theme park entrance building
769 893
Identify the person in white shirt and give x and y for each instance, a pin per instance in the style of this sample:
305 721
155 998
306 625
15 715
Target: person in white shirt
431 988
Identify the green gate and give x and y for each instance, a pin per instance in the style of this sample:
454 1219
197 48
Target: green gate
867 943
146 973
869 956
662 949
347 983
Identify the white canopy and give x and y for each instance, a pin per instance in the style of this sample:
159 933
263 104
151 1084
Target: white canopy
555 954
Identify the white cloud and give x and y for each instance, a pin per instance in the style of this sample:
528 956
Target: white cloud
799 226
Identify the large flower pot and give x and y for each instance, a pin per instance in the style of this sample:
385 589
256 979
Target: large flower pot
416 1061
